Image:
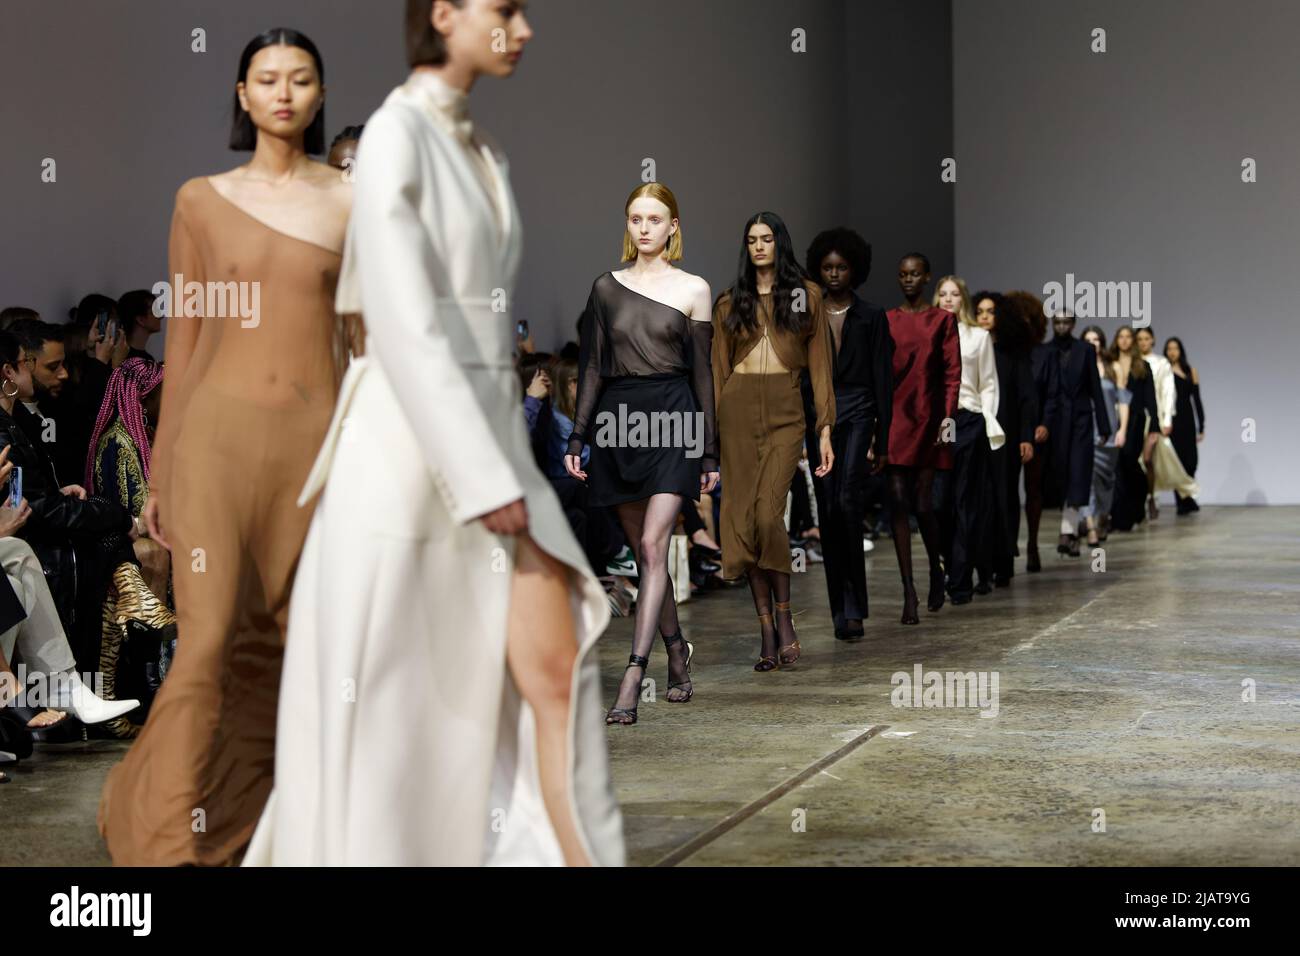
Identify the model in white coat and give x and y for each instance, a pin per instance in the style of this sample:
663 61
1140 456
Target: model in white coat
440 703
1162 375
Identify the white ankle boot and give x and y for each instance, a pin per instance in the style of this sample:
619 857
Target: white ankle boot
88 707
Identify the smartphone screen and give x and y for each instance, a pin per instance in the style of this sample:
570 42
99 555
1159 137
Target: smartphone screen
101 321
16 487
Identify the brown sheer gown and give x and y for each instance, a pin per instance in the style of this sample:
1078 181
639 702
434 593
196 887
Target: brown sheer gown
241 424
761 426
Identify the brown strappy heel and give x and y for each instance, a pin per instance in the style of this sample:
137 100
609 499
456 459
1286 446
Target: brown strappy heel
786 660
766 663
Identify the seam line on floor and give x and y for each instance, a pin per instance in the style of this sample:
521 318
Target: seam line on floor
733 820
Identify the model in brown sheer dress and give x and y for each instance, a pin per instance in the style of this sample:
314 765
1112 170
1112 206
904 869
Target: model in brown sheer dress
251 381
768 328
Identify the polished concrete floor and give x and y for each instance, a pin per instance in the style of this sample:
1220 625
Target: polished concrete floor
1121 736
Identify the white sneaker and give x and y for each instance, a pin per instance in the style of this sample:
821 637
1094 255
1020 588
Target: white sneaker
868 545
88 707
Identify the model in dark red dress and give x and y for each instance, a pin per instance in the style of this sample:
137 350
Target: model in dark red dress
927 378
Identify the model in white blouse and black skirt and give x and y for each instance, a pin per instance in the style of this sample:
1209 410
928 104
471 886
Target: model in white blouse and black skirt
978 434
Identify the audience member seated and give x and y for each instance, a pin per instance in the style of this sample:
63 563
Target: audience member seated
83 542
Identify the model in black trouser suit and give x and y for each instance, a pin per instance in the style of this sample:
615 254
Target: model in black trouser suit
971 500
1004 466
842 505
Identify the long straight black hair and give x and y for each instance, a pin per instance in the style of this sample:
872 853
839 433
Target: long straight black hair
243 134
789 277
1182 355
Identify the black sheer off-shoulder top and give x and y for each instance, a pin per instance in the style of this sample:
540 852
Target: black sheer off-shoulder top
625 333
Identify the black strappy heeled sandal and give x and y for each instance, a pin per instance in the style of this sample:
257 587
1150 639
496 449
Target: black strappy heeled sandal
686 685
622 715
766 663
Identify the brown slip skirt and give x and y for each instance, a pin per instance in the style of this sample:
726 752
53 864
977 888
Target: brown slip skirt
761 430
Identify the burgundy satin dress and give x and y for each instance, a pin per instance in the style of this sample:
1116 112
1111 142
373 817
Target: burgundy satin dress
927 378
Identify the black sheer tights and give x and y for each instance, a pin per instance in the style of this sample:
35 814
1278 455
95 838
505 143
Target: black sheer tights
912 491
769 588
648 524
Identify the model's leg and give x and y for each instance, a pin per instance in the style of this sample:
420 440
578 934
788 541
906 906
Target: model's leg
760 588
1034 505
631 516
541 651
902 486
656 589
928 523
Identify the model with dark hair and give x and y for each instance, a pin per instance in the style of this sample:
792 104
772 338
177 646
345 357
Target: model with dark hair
1080 414
927 383
1105 456
246 403
135 310
1133 374
343 150
1017 414
863 380
1188 431
768 327
1030 309
460 596
646 348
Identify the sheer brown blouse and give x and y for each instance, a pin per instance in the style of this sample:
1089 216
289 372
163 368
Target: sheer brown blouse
810 349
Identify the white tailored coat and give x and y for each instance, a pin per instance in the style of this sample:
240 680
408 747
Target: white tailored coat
401 738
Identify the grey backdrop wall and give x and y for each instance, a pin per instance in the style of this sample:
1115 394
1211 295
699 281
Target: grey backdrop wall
848 132
1126 166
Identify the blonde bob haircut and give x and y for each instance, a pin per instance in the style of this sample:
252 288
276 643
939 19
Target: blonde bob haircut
673 251
965 312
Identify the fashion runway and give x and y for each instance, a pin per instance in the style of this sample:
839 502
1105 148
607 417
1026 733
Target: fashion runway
1119 693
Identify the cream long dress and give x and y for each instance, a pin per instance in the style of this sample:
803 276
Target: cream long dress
401 738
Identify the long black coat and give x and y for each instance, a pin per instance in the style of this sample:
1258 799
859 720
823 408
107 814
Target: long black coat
1077 400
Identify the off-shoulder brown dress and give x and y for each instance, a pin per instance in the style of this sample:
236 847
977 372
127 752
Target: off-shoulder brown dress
761 426
241 424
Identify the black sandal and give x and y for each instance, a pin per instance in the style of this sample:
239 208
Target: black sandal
678 685
621 715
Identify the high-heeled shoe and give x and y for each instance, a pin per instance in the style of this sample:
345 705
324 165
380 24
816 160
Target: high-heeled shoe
785 659
625 716
936 598
1033 564
687 685
911 602
87 706
765 664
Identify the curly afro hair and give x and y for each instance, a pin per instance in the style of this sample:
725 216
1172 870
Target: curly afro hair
847 243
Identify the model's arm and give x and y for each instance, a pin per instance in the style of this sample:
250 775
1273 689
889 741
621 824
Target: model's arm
1168 398
989 393
183 259
820 369
1196 403
721 353
591 352
702 373
881 344
396 266
1028 395
1099 409
951 346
